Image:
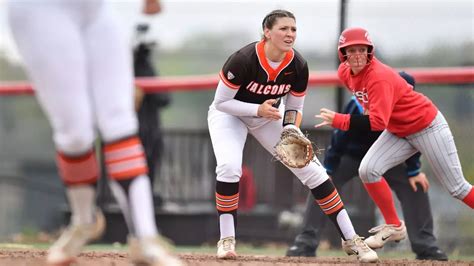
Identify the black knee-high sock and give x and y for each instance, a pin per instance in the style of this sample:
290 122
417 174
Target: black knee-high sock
227 199
329 201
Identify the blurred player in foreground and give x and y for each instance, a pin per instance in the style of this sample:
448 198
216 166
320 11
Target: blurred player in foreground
342 160
410 122
81 68
246 101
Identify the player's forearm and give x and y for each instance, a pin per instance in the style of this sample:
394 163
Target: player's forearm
293 110
224 101
351 122
237 108
294 102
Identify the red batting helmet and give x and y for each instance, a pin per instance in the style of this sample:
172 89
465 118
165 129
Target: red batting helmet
352 36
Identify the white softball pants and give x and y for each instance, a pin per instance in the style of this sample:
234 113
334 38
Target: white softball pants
228 136
81 68
435 142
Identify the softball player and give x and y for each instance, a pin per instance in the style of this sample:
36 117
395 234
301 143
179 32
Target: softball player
247 100
81 69
410 122
342 160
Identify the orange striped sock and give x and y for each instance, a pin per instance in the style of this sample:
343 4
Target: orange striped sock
78 170
227 197
227 203
331 203
125 159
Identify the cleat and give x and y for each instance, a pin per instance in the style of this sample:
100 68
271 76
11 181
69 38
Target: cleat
226 248
433 253
385 233
151 252
301 250
65 250
357 246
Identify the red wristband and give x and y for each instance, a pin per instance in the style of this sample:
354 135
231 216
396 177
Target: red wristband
341 121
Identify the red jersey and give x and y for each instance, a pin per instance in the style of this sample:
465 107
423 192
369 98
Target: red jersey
388 99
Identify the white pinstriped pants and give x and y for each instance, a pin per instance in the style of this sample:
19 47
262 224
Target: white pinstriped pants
228 136
435 142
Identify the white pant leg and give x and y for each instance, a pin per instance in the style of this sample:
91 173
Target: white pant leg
50 42
386 152
269 134
436 143
228 136
111 76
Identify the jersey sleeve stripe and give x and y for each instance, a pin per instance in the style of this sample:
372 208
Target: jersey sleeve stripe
228 83
298 94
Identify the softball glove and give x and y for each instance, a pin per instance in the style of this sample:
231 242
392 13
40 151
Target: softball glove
294 149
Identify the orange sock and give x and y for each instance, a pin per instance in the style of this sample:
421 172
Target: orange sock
125 159
381 194
78 170
469 199
331 203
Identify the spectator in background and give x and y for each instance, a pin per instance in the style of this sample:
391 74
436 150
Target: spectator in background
148 105
342 160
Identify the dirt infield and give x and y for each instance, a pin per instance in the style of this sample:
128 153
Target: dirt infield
96 258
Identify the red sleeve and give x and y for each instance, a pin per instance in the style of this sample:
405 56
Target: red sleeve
341 121
342 74
381 97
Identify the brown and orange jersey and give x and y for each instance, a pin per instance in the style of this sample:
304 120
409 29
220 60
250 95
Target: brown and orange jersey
249 72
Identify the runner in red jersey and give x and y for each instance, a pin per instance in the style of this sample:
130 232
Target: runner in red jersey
410 123
393 104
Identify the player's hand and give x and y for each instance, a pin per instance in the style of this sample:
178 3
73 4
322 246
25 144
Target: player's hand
419 179
327 116
267 110
138 98
151 7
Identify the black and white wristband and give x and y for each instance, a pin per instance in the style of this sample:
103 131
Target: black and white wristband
290 117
